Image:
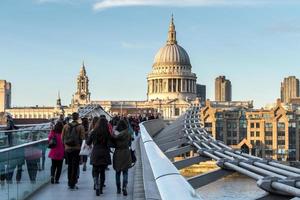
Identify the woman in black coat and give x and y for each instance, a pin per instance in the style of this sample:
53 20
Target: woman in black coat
122 155
100 157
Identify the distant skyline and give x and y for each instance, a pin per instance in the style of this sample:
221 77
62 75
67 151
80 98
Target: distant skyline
255 44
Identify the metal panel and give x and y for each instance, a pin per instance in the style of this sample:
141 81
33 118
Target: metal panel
179 151
207 178
189 161
175 143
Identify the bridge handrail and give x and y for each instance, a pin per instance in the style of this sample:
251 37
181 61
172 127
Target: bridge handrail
166 176
23 145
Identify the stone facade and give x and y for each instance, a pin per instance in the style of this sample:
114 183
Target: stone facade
272 133
226 121
289 89
223 90
82 95
5 95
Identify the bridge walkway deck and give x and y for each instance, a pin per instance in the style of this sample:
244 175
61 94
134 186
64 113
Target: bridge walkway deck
85 185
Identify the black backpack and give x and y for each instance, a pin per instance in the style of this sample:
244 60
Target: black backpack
72 138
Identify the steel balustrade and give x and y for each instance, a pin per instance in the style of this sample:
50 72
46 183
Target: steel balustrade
270 175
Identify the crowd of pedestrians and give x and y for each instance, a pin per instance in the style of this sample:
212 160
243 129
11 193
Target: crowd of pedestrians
110 142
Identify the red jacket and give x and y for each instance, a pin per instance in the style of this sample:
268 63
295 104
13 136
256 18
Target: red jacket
57 153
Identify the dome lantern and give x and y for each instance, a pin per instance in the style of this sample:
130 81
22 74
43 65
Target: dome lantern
172 33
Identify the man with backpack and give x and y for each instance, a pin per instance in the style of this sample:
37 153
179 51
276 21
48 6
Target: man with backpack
72 136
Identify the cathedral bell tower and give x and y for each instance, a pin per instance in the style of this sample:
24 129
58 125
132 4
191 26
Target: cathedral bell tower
82 94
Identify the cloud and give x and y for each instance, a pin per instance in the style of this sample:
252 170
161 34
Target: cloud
106 4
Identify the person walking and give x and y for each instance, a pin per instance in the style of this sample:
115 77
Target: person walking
122 155
57 152
72 137
100 157
10 125
85 124
93 123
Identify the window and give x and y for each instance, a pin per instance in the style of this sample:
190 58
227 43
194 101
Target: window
281 142
281 133
292 124
268 125
234 125
257 133
269 142
208 125
268 133
257 125
281 125
176 111
252 125
229 125
234 134
252 133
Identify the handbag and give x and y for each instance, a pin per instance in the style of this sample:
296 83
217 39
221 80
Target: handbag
53 142
85 149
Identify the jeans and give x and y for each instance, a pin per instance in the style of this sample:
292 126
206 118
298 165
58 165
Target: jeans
99 170
56 169
73 166
125 178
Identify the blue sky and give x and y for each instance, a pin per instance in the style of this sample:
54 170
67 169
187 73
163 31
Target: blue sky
43 42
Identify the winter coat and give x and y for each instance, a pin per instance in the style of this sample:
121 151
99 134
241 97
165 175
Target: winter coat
80 131
100 154
122 155
56 153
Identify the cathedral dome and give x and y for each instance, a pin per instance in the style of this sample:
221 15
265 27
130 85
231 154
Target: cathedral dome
171 76
171 54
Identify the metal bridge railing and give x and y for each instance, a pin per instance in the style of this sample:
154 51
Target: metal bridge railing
26 168
170 183
270 175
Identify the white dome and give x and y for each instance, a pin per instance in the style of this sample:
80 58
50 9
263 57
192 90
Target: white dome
170 55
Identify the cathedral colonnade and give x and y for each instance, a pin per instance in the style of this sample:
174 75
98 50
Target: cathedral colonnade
161 85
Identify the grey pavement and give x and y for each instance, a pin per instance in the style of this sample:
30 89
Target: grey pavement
85 185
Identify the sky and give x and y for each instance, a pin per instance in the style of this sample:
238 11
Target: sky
253 43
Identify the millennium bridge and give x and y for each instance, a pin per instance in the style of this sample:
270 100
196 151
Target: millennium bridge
156 174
